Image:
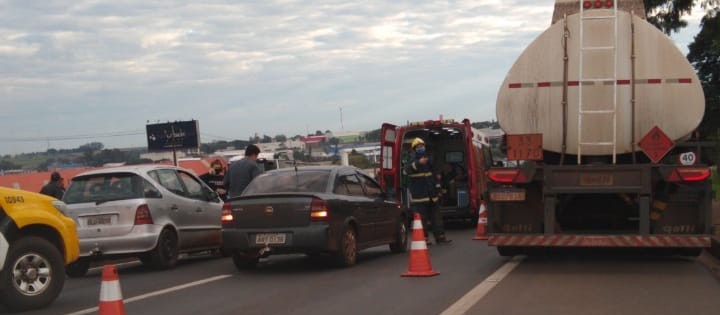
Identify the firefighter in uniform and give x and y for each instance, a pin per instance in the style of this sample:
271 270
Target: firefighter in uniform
423 191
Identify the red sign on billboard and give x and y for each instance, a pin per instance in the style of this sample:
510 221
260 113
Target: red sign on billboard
656 144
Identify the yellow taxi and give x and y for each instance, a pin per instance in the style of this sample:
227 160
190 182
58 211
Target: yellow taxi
37 241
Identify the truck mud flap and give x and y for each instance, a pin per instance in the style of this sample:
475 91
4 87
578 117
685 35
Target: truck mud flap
655 241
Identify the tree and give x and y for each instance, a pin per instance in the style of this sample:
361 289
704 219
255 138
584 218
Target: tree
280 138
704 54
318 133
667 15
373 136
7 165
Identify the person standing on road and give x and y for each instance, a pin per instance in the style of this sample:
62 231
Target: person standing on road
215 178
423 191
55 188
242 172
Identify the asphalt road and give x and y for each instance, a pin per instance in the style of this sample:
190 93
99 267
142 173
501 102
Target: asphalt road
563 284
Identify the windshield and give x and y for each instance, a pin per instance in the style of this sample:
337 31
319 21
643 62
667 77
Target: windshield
289 181
104 187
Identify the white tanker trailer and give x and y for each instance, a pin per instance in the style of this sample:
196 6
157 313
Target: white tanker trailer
596 110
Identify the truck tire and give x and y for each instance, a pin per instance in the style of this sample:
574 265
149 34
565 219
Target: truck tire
509 251
165 254
78 268
41 267
401 237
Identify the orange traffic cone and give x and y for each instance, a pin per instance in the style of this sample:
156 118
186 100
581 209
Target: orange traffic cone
419 265
111 301
482 223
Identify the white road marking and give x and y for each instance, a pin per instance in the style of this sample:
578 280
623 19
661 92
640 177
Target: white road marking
156 293
471 298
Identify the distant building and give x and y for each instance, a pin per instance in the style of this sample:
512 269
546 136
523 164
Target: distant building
347 136
315 145
160 156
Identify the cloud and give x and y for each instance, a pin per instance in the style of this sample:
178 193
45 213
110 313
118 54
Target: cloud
88 66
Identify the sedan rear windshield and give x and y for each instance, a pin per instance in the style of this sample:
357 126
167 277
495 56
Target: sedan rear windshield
289 181
105 187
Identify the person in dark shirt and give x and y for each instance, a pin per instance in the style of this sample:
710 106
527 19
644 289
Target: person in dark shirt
55 188
214 178
240 173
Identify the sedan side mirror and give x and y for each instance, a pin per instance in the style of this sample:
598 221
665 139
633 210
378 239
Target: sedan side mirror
212 195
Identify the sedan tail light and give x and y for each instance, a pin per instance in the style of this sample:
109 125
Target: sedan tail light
319 210
507 176
227 216
142 215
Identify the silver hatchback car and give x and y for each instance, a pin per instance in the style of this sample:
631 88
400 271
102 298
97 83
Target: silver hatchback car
153 212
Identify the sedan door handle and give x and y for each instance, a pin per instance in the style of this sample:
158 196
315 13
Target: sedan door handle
174 208
198 210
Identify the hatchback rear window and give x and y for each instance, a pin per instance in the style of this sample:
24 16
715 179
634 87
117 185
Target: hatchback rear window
289 181
105 187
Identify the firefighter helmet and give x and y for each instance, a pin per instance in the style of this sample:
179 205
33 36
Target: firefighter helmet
416 142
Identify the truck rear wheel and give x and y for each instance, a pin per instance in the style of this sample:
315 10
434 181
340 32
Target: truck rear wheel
33 275
509 250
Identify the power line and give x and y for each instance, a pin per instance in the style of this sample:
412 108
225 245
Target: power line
74 137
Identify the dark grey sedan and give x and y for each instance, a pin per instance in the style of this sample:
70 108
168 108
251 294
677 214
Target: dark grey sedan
315 210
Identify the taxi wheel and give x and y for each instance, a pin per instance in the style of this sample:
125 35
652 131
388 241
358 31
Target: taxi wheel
165 254
78 268
33 274
401 237
347 255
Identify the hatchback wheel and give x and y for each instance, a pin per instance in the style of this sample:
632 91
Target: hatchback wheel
33 274
78 268
165 254
347 255
401 237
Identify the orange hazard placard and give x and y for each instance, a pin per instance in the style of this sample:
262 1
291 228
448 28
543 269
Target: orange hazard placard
524 147
656 144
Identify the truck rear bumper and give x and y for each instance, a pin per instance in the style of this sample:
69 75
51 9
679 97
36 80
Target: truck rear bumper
575 240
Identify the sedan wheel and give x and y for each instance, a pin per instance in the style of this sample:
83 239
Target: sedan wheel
347 255
244 262
401 237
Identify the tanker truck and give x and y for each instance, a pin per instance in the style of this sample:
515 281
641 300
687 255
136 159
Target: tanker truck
599 112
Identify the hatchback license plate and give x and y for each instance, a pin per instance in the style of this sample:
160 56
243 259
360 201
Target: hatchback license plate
270 238
514 195
99 220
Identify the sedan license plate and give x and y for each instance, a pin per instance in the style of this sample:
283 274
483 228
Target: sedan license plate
99 220
510 195
270 238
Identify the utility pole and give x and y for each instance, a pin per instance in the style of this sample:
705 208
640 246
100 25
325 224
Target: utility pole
341 120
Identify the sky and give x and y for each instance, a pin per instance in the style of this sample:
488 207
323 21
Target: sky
73 72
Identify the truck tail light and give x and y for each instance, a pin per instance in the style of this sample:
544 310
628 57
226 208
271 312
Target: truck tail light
226 216
142 215
609 3
598 4
507 176
319 210
689 174
587 4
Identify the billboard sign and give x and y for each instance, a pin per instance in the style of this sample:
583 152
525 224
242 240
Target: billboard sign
177 135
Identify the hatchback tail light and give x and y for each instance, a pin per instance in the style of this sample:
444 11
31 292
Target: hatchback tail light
319 210
142 215
689 174
227 215
507 176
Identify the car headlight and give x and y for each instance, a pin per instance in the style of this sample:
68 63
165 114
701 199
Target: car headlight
60 206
